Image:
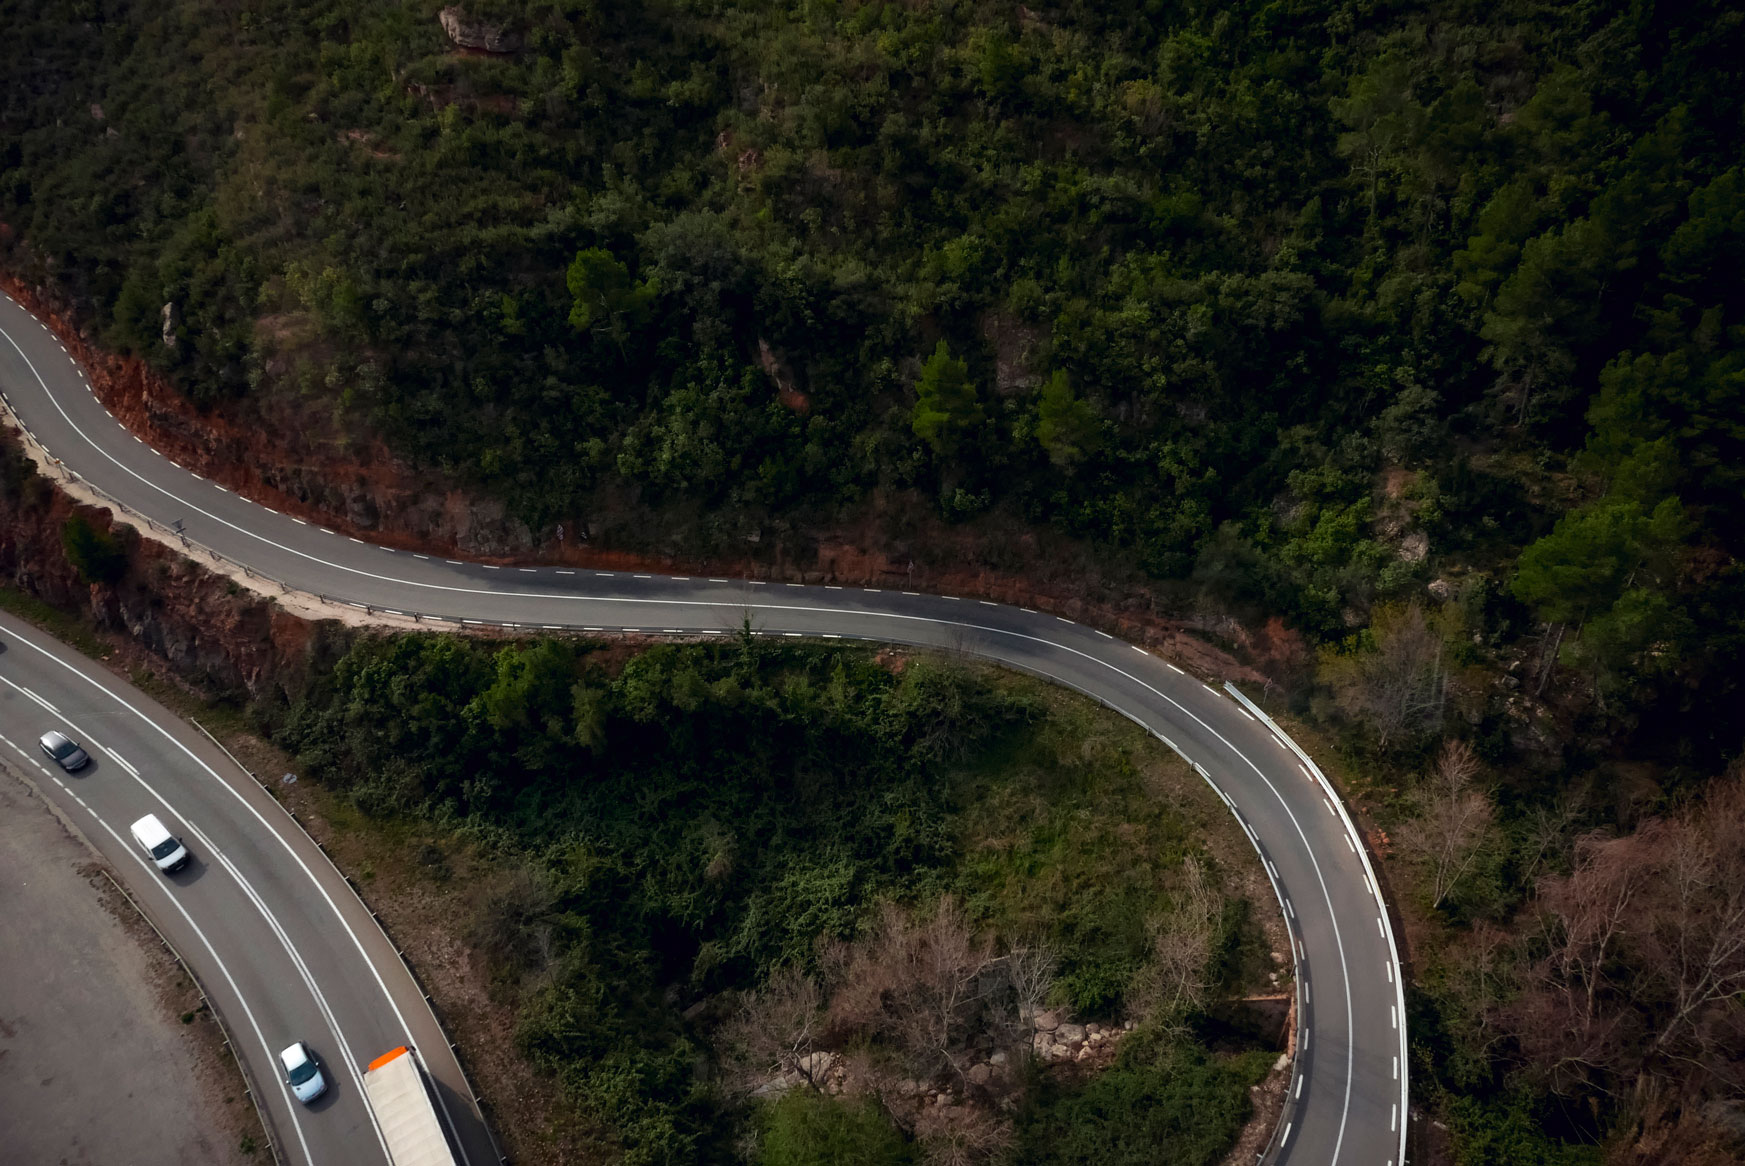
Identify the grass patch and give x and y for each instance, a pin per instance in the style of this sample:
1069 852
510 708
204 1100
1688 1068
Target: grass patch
65 626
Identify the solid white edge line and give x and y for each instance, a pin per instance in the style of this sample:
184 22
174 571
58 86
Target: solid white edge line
284 842
997 631
216 855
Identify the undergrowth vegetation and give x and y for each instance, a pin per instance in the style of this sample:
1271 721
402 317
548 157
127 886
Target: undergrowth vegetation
683 827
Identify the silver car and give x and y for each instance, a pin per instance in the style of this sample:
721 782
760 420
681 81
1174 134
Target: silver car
64 751
302 1074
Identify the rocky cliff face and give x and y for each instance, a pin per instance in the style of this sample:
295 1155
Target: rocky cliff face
211 633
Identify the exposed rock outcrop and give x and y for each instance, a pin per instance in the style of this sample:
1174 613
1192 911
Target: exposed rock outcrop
477 35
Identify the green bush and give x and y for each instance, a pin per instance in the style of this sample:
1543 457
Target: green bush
805 1129
1507 1133
1157 1104
98 556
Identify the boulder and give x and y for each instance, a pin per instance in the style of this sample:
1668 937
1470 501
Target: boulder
815 1065
1070 1034
477 35
980 1074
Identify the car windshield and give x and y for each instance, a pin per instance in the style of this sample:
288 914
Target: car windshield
301 1073
62 749
165 848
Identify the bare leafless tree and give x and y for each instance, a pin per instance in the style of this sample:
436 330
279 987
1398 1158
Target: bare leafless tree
1694 936
776 1031
1175 980
961 1135
1397 683
1455 823
919 984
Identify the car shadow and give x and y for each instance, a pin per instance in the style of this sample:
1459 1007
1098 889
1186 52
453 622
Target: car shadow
190 874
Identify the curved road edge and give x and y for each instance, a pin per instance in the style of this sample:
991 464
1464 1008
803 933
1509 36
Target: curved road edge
1352 1063
1397 969
190 749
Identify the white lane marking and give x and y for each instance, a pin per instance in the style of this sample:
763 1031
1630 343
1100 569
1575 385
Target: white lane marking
1328 802
31 693
1394 1009
1351 844
426 558
454 562
492 567
216 854
605 575
1063 619
1173 668
687 579
642 576
1388 967
1350 1048
990 603
953 598
1396 1067
1028 610
720 580
268 1053
323 530
1381 927
913 593
1135 647
872 590
1286 1136
756 582
1290 910
1299 1092
299 521
796 584
528 570
561 571
1394 1118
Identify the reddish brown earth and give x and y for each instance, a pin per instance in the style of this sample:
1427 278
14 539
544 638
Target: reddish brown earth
262 451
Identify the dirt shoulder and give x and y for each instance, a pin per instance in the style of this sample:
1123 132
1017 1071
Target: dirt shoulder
106 1052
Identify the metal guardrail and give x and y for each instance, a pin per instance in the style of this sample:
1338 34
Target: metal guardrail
405 961
1281 1130
248 1083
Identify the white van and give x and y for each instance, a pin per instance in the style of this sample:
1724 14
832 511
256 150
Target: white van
165 848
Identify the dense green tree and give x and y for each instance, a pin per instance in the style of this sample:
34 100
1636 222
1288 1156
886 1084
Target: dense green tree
948 410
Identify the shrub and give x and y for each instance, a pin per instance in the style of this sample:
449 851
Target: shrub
805 1129
98 556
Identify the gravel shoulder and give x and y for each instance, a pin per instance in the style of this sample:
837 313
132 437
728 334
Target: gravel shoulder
106 1051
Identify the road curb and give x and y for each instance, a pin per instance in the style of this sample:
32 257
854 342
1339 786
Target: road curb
1399 975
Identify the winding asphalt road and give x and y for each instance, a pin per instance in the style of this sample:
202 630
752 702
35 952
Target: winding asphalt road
1347 1095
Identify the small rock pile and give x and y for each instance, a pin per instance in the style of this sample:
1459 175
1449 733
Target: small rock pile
1058 1040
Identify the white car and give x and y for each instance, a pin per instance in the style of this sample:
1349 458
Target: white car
165 848
302 1074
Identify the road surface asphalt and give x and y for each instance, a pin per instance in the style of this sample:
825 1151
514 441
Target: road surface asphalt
1346 1103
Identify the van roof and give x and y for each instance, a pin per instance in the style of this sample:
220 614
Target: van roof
149 830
